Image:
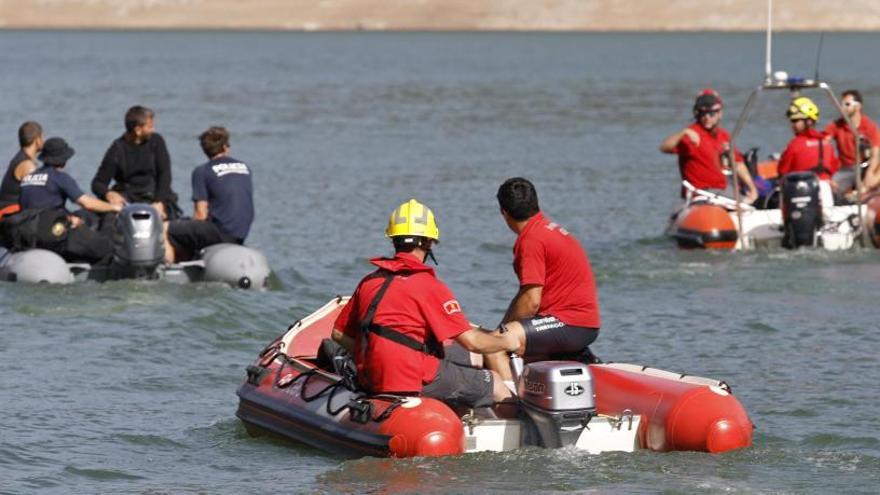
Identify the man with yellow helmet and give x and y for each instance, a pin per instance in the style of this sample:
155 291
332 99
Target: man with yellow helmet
400 316
809 150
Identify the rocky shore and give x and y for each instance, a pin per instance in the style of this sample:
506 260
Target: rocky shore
442 15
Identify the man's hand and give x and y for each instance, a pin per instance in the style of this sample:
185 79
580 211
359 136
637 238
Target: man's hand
75 221
160 207
692 135
114 198
751 195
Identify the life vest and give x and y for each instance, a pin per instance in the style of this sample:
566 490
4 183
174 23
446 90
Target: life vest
429 346
44 228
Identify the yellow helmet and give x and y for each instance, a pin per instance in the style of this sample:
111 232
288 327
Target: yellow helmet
802 108
414 219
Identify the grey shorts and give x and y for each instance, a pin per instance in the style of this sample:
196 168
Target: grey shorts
549 338
461 384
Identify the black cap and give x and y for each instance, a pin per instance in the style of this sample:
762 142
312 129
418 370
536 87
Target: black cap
706 102
56 151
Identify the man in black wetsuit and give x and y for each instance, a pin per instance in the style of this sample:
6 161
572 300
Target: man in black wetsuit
30 138
139 165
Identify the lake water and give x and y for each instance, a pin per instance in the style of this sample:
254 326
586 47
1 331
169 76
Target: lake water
129 387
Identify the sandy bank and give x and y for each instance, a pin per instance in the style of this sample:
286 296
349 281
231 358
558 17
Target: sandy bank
550 15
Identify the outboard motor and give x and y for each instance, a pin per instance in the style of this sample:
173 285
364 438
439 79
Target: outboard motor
801 209
138 244
558 397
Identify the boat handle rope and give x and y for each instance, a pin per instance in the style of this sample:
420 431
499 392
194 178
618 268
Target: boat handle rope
356 405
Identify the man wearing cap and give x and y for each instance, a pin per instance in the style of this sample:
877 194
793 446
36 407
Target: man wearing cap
703 149
809 150
30 140
138 164
223 201
50 187
845 177
401 315
555 312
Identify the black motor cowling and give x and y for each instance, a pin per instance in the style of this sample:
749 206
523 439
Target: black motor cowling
801 209
138 243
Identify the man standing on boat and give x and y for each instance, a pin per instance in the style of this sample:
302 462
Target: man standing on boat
30 140
223 201
400 315
703 148
850 158
555 313
809 150
139 165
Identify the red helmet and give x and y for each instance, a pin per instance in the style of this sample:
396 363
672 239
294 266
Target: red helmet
707 99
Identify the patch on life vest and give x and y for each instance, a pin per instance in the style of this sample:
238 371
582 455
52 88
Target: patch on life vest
451 307
58 229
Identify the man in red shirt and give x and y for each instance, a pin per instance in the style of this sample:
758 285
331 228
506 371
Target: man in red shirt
845 178
809 150
703 147
555 313
400 316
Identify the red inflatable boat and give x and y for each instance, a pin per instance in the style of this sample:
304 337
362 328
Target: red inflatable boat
292 392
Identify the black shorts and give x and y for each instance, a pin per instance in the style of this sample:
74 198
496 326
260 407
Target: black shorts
549 338
461 384
194 235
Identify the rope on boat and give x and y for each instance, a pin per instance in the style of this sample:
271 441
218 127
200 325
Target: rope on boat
360 406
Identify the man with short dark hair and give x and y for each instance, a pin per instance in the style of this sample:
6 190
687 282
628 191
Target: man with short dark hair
30 140
703 150
555 313
139 165
400 316
845 177
51 187
223 201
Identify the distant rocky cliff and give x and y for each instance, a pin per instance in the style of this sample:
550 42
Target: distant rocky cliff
549 15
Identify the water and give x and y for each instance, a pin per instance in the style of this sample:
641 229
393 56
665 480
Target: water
129 387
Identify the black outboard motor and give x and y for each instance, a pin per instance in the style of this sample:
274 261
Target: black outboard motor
801 209
138 244
558 397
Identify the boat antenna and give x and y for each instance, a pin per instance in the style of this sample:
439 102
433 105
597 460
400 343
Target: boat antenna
768 65
819 54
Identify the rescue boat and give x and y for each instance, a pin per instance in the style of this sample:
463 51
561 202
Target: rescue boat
709 221
294 392
138 252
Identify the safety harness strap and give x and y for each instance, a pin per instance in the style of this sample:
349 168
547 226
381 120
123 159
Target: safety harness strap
820 167
430 347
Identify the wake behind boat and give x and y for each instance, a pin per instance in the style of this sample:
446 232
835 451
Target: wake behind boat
295 391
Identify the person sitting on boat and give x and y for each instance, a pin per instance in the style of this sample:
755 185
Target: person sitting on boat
223 201
50 187
30 140
555 312
703 148
869 139
809 150
139 165
401 315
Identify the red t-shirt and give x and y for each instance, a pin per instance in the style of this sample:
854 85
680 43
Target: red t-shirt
846 142
415 303
546 254
700 164
802 155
